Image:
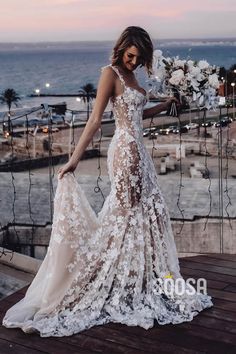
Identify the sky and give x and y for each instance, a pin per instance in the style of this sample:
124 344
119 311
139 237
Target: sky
81 20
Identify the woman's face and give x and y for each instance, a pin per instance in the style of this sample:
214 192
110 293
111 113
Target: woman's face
131 58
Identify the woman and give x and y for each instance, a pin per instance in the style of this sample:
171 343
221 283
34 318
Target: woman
111 267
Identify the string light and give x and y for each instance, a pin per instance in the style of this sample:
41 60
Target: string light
97 189
226 190
207 172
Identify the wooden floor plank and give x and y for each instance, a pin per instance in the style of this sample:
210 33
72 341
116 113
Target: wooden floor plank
98 338
173 334
2 314
209 333
222 294
139 342
23 290
33 340
205 321
209 268
220 314
215 337
7 347
231 288
213 261
102 343
13 298
223 256
224 305
5 305
204 273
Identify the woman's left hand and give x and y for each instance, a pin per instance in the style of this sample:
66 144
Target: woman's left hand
169 102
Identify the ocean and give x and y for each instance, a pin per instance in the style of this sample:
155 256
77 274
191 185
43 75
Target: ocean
68 66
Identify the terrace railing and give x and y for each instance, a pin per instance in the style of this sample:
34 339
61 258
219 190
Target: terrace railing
26 152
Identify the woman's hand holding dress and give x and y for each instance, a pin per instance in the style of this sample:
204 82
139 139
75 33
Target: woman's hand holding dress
70 166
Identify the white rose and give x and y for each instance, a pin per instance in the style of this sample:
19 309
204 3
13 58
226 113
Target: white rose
179 63
194 96
194 71
190 63
157 59
176 77
213 81
203 64
157 53
201 100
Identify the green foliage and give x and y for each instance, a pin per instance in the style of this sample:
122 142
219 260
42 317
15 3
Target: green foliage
9 97
87 92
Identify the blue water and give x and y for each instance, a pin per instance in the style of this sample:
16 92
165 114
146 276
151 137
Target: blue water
68 66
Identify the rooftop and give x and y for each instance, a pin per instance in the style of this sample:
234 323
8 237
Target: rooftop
212 331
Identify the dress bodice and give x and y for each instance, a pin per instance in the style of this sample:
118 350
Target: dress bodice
128 108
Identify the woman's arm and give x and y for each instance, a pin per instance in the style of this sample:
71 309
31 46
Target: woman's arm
164 106
151 112
104 92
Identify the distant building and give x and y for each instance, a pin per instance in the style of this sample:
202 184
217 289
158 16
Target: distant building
59 108
221 89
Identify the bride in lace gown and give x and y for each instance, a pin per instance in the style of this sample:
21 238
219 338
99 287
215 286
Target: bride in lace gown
111 267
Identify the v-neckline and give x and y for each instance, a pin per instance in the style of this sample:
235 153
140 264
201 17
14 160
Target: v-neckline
130 87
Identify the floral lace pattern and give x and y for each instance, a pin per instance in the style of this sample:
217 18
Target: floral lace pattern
106 267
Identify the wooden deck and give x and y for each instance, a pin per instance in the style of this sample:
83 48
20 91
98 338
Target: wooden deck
212 331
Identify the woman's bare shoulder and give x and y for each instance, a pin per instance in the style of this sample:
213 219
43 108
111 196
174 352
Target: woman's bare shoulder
108 74
107 69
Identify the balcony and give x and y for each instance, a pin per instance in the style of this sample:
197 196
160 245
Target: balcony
196 174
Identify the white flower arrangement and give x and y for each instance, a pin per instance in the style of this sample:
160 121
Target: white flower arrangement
196 81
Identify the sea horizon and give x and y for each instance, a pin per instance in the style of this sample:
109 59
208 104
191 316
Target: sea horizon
163 41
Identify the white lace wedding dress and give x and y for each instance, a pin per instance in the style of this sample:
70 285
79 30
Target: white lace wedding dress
107 267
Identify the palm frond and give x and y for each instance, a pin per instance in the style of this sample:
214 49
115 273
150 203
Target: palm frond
9 97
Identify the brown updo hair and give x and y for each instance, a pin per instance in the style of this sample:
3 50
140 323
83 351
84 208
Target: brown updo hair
137 36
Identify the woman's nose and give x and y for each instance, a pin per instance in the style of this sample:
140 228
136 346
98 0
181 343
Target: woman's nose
134 60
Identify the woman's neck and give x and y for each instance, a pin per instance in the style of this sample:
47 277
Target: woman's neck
128 73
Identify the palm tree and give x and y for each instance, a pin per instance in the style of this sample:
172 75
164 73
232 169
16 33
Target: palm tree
87 93
9 97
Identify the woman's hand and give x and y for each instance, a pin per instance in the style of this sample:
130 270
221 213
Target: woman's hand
173 107
169 102
160 107
70 166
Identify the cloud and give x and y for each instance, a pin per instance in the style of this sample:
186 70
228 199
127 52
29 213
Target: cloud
103 19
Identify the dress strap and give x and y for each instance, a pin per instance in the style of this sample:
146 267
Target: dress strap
118 73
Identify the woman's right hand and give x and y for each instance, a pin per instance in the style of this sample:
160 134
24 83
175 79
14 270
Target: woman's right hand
70 166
